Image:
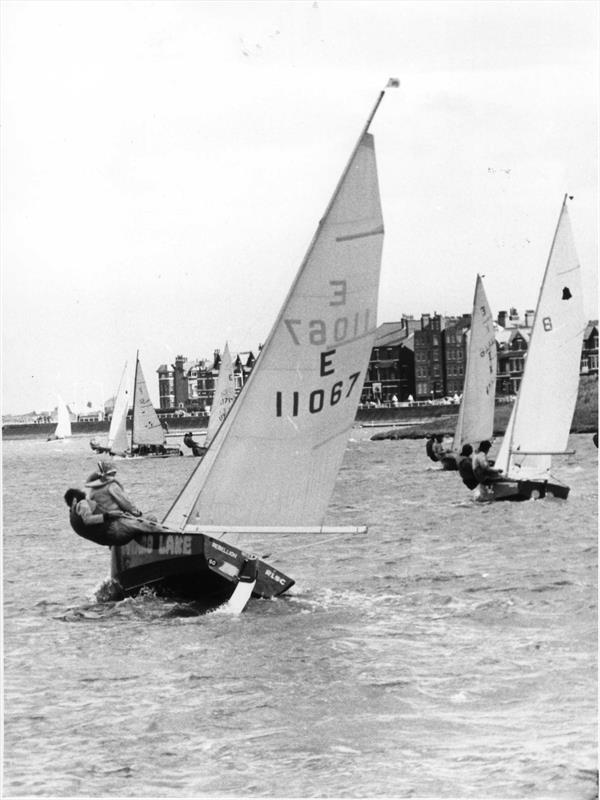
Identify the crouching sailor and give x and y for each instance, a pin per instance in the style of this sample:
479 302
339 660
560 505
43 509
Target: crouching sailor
105 528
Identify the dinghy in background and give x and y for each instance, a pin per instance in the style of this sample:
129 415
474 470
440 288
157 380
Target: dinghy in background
540 422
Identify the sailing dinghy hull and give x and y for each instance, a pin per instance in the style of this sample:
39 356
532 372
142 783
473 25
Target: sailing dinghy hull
516 491
192 566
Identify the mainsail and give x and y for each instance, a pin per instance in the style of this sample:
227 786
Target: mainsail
223 397
63 427
541 417
275 458
146 427
476 413
117 433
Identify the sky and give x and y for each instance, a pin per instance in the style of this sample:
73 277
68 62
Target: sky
164 166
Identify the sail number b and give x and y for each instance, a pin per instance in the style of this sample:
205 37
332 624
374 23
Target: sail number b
316 400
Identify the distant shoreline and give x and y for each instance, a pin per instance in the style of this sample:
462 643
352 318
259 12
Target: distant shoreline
409 422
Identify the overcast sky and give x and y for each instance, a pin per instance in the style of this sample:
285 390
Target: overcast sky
164 166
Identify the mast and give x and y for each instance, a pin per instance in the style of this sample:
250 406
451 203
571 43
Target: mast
137 363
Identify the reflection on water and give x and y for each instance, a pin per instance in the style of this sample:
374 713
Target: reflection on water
450 652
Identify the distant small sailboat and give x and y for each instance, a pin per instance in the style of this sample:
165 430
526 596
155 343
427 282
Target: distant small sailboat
272 465
116 443
223 398
476 413
541 418
147 433
63 427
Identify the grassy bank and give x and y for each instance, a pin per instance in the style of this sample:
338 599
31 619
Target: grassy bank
585 418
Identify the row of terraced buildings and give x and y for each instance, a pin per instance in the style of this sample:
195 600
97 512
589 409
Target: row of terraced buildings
413 360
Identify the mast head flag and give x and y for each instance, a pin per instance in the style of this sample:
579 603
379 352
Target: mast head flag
393 83
275 458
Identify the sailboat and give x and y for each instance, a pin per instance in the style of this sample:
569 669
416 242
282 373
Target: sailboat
272 466
116 442
476 413
63 426
147 434
541 418
223 398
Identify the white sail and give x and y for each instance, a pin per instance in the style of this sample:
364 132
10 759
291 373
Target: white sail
541 418
275 459
476 413
63 427
117 433
223 397
146 427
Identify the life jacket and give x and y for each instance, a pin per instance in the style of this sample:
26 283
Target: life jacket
97 533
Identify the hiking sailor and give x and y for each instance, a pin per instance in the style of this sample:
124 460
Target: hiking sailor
465 467
482 469
102 528
109 498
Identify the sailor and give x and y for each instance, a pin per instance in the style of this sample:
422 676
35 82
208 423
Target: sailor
197 449
429 448
482 469
465 467
89 522
110 498
438 447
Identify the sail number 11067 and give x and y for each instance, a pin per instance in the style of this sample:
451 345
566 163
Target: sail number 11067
291 404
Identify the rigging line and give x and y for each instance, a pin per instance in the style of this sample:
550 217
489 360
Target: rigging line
303 546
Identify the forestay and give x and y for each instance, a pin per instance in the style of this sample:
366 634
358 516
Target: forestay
541 418
223 397
275 459
146 428
117 433
476 413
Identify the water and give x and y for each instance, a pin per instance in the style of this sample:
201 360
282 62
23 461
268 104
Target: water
450 653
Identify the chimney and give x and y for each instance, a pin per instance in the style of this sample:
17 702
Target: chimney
425 321
502 317
529 315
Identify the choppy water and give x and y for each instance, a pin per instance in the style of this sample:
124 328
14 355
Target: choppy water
450 653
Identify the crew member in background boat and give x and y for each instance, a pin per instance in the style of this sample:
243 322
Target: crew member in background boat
481 466
438 447
102 528
465 467
196 448
429 447
110 498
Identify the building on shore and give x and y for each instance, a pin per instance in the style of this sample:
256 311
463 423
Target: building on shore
187 386
413 360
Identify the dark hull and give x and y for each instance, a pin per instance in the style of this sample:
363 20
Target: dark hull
516 491
192 567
